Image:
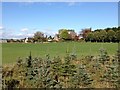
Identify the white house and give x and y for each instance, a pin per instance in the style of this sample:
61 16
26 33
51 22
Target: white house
26 40
56 37
3 41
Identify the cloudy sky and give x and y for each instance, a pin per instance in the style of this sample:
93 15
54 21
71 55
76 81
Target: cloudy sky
23 19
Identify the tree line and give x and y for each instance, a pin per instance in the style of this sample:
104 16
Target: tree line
87 35
98 35
102 35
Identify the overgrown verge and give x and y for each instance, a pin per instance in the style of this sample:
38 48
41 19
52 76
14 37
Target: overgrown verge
68 72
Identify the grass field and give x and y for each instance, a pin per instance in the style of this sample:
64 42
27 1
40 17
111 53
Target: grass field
11 51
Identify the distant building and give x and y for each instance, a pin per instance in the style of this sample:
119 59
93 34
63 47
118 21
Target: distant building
56 37
3 41
72 34
50 39
26 40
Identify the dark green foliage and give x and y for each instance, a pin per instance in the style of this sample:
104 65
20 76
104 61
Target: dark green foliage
19 62
73 56
29 63
104 35
81 78
103 57
38 37
89 58
67 72
111 75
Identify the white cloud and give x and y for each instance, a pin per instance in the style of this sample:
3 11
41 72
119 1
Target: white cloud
7 34
22 35
49 32
30 35
24 29
25 32
1 33
18 36
2 28
12 34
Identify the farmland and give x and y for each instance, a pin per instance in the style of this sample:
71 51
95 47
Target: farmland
11 51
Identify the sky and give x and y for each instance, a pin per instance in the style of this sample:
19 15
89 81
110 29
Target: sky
23 19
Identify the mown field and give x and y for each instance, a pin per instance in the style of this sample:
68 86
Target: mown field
12 51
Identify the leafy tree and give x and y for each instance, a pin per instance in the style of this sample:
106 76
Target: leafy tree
114 29
90 36
111 35
103 57
60 31
107 29
84 32
81 78
38 36
118 35
64 34
98 30
111 75
103 35
107 34
97 36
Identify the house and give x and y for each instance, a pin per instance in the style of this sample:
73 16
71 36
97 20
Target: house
3 41
72 34
28 40
50 39
56 37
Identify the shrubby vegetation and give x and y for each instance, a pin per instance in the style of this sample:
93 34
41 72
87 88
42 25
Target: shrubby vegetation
68 72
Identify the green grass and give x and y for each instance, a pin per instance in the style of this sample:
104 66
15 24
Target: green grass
11 51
